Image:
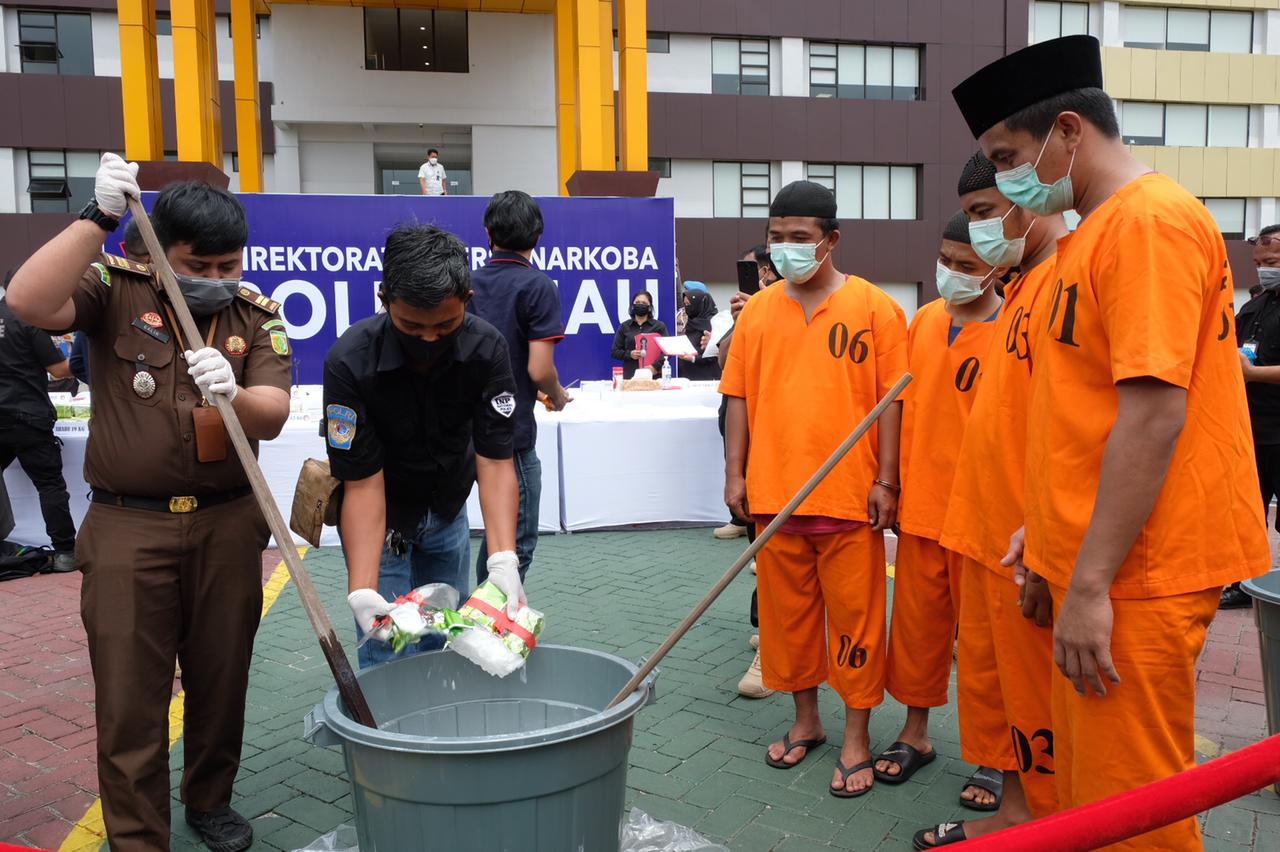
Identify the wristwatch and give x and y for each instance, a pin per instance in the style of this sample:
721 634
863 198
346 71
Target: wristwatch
95 214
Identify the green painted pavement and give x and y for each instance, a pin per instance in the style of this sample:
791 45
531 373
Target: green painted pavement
697 757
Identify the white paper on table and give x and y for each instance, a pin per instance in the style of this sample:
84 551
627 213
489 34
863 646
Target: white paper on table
676 346
721 324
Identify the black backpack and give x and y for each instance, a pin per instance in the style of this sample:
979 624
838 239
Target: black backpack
18 561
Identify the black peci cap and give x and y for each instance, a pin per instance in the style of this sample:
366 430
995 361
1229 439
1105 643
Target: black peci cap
1027 77
978 174
804 198
957 229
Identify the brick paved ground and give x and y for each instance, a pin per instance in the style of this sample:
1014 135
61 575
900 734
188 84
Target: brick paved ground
697 752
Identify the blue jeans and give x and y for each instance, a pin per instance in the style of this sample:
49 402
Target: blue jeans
438 552
529 476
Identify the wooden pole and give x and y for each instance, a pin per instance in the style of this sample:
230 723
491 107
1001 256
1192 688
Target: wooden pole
348 686
747 555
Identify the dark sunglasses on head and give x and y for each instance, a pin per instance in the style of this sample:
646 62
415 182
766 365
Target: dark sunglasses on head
1264 241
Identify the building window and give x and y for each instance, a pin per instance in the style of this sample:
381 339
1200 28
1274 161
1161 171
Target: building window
867 191
1054 20
864 71
1185 125
657 42
415 40
55 42
1229 214
61 181
739 66
1215 30
164 24
741 190
661 165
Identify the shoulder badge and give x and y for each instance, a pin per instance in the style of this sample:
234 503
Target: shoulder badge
126 265
258 300
342 426
103 273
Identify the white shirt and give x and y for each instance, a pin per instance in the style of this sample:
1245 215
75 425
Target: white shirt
434 175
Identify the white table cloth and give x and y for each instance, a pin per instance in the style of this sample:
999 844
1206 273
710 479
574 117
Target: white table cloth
280 459
610 459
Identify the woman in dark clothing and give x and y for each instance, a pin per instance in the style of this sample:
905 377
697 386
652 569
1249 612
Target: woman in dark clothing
699 308
642 322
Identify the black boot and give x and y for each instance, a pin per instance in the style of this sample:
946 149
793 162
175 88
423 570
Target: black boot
222 830
1233 597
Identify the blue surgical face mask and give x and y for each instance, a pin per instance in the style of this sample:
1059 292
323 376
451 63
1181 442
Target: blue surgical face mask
1269 278
989 242
956 288
1022 186
796 262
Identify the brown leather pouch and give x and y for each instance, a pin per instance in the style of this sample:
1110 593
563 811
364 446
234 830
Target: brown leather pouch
315 501
211 434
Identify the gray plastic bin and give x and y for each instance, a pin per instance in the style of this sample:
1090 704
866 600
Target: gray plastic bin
464 761
1266 610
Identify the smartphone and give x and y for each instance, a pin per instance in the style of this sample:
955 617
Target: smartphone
748 276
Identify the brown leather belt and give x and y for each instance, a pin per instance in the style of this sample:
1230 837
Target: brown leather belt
172 505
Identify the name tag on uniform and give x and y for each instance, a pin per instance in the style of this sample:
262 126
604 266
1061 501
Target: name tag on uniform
141 325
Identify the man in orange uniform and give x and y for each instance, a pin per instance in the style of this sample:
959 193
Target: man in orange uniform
811 356
1142 497
1006 647
945 345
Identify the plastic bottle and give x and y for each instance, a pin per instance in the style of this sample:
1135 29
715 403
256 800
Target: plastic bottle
666 371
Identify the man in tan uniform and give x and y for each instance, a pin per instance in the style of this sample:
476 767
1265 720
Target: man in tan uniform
171 547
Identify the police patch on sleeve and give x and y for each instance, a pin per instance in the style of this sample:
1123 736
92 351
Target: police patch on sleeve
504 403
102 273
342 426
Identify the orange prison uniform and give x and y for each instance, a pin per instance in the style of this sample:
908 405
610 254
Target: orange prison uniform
1005 662
926 584
806 385
1142 289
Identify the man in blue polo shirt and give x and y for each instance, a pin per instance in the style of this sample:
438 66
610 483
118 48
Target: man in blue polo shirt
524 304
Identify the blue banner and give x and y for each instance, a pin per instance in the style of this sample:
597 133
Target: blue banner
321 256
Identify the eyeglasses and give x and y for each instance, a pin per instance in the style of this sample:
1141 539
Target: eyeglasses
1266 241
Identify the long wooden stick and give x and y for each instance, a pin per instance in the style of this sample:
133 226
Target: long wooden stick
348 686
747 555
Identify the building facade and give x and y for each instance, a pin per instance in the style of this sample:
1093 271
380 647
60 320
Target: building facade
743 97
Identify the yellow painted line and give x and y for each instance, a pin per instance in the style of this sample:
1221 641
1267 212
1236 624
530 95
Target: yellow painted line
1207 747
888 570
90 831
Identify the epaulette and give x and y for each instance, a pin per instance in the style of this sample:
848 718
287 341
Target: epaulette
258 300
126 265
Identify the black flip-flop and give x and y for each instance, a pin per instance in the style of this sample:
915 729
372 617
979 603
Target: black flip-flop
843 792
944 834
909 759
987 779
787 746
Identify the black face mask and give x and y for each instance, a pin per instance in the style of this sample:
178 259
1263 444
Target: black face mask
639 309
425 351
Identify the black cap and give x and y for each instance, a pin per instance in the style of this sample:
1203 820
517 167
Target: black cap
957 229
978 174
804 198
1027 77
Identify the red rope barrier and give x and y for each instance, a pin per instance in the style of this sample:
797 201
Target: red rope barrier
1158 804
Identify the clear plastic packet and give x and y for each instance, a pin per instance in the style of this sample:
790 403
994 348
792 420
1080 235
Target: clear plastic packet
643 833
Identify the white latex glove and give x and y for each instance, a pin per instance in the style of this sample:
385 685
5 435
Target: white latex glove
367 605
504 572
115 180
212 372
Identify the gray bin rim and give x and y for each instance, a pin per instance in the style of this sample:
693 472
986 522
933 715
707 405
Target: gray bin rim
327 724
1265 588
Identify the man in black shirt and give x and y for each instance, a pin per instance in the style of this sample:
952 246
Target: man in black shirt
419 405
27 354
1258 335
522 303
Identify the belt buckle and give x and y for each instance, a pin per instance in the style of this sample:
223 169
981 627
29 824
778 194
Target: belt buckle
182 505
